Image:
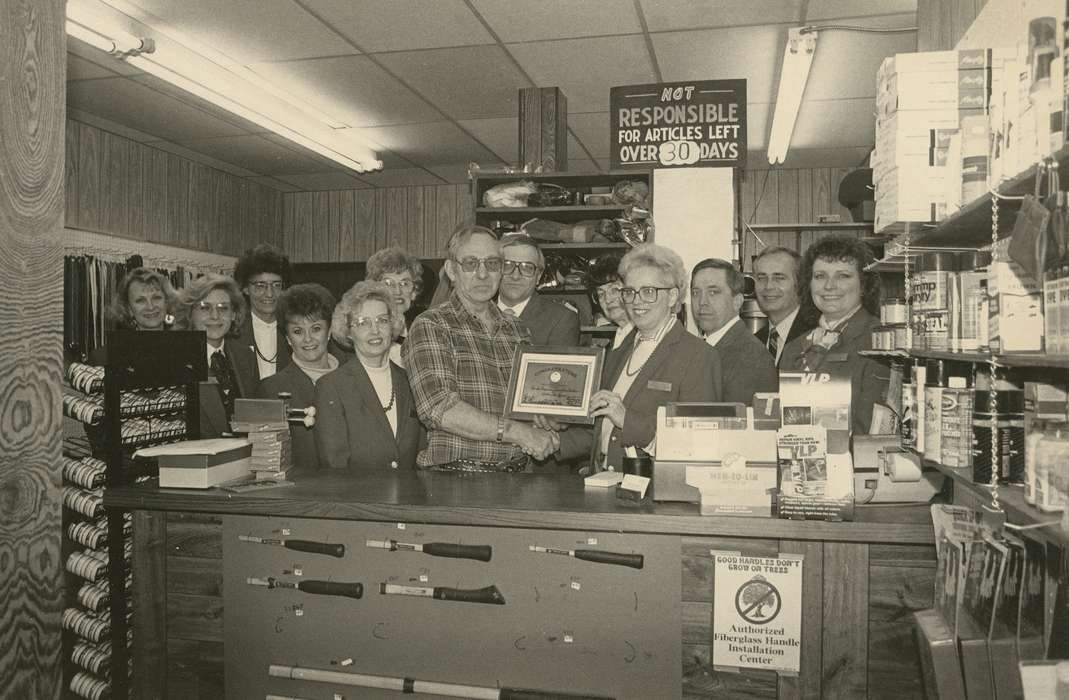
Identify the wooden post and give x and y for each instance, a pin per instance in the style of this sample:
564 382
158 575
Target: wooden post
544 129
33 67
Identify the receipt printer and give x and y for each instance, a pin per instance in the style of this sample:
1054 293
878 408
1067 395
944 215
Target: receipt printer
886 473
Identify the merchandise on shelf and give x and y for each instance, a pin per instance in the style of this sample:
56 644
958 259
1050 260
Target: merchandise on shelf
1015 305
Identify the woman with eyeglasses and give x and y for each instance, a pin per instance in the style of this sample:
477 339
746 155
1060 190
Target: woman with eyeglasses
661 362
304 315
403 276
262 273
365 414
833 278
605 278
214 304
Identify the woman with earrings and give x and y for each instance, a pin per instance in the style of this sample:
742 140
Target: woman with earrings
143 301
662 362
365 414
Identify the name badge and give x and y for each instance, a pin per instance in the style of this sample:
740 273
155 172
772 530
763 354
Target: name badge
659 386
836 357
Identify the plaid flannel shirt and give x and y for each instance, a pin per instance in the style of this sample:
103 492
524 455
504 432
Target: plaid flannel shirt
451 357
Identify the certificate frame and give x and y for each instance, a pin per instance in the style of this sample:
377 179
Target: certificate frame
535 371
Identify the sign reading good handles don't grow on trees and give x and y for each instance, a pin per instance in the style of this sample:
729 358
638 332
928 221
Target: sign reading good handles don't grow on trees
695 124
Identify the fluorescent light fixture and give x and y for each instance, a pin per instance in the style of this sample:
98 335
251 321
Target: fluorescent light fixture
230 86
797 60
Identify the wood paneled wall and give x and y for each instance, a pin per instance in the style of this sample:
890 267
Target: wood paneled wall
124 188
350 225
33 66
941 23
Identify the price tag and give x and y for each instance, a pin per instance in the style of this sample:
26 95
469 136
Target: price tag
576 585
400 526
347 662
591 540
298 571
568 639
298 611
339 696
423 578
286 531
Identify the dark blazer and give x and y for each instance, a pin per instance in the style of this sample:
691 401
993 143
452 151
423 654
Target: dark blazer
868 377
746 366
248 339
293 380
799 327
550 323
213 422
352 431
682 368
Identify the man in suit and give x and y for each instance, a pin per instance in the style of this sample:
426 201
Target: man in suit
716 296
776 275
550 323
262 273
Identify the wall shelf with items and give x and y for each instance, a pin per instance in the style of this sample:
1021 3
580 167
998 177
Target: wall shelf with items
569 214
1038 359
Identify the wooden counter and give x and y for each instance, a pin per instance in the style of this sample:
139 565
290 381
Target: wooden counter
879 569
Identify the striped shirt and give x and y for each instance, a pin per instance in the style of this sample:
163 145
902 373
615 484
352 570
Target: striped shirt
451 356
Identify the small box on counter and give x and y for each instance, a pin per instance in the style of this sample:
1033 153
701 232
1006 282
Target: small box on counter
200 464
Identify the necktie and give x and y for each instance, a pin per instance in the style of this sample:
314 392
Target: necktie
223 374
773 341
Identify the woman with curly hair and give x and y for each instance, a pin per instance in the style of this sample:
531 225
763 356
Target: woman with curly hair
214 304
833 279
143 301
402 273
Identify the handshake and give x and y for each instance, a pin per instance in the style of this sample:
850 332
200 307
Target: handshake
538 440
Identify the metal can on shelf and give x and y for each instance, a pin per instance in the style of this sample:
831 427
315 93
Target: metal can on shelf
930 290
893 310
969 302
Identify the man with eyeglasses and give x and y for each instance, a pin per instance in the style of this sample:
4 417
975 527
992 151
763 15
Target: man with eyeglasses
716 288
550 323
262 273
459 359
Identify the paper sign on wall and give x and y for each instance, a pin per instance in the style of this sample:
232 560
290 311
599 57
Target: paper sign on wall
757 612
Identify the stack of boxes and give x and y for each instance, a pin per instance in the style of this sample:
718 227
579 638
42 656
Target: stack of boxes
265 422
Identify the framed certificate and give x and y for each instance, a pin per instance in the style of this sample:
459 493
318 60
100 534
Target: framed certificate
555 381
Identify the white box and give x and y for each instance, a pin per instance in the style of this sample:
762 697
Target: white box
201 477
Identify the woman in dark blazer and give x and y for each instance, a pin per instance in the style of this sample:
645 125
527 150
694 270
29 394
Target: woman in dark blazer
658 363
365 414
833 278
304 316
215 305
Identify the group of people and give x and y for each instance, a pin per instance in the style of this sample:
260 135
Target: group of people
432 394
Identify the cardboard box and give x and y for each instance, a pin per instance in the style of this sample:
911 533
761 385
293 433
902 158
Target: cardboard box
1015 305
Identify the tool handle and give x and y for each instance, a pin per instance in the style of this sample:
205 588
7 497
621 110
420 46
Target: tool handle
478 552
635 561
489 595
525 694
348 590
334 550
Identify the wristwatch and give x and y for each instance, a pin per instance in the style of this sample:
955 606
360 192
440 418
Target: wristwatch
501 429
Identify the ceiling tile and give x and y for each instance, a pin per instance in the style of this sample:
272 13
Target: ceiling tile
201 158
845 63
352 89
429 144
249 30
558 19
585 69
839 9
210 108
663 15
832 124
753 53
321 182
402 177
592 128
499 135
466 83
399 25
132 104
274 184
256 153
81 69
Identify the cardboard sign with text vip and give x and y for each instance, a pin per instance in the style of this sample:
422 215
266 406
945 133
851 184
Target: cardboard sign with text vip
666 125
757 612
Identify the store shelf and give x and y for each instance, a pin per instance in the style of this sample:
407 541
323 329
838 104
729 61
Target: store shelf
1011 498
599 330
830 226
554 290
488 179
579 247
899 354
1036 359
560 214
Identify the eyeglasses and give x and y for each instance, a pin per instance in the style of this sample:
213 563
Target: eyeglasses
527 269
262 287
365 323
403 285
206 307
608 293
470 265
646 294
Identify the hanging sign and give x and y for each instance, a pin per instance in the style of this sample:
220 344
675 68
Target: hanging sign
665 125
757 612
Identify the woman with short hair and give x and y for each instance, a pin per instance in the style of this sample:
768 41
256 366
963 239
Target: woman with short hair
365 413
605 280
833 279
402 274
143 301
304 316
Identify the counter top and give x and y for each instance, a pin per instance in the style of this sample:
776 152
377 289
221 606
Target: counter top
516 500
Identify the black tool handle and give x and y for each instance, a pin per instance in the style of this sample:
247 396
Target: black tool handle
348 590
478 552
334 550
489 595
524 694
635 561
